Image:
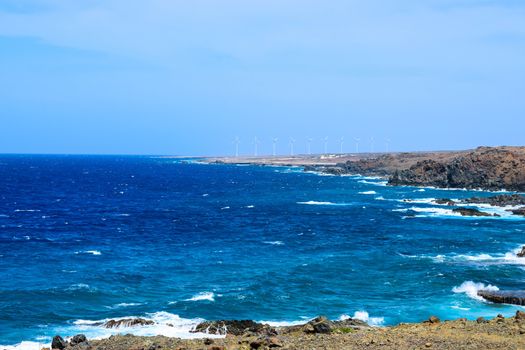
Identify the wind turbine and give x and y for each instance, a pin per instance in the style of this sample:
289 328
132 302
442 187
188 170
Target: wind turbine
309 140
236 142
341 141
256 143
274 146
292 141
357 139
387 144
372 144
326 145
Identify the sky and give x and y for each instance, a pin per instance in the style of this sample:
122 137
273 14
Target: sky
187 77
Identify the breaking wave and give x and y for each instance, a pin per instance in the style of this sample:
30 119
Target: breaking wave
471 289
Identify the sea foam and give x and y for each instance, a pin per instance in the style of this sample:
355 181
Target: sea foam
209 296
365 317
471 289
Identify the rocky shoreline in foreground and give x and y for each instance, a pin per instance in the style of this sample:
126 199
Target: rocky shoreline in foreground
321 333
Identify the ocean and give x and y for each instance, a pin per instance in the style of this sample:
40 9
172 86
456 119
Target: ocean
89 238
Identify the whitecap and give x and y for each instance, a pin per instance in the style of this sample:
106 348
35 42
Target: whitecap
323 203
316 203
209 296
123 305
250 206
26 210
471 289
368 192
223 208
274 242
376 183
92 252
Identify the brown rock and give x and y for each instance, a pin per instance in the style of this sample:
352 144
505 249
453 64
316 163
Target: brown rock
256 344
274 342
481 320
433 320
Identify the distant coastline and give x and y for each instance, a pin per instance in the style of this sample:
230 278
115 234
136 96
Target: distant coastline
485 168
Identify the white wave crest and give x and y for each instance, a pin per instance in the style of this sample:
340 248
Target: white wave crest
25 345
165 323
376 183
92 252
209 296
368 192
471 289
316 203
285 323
274 242
365 317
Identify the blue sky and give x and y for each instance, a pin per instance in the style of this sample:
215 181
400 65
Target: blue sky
186 77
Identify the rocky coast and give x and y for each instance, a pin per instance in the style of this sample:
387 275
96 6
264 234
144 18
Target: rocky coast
487 168
321 333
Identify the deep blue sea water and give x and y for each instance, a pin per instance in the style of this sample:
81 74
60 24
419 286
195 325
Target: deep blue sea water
87 238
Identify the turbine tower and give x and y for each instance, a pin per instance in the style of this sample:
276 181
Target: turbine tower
326 145
256 143
387 144
236 142
372 144
357 139
292 141
274 146
309 140
341 141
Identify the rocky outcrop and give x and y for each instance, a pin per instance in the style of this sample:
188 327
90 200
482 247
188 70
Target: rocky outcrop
520 211
58 343
498 201
78 339
486 168
471 212
445 201
322 325
516 297
234 327
127 322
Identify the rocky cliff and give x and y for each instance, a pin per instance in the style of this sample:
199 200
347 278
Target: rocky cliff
486 168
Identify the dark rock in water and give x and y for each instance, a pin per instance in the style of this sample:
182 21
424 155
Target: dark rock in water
319 325
128 322
520 211
470 212
445 201
58 343
498 201
516 297
77 339
233 327
521 253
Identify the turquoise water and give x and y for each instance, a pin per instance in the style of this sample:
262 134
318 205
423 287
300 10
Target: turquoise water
88 238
